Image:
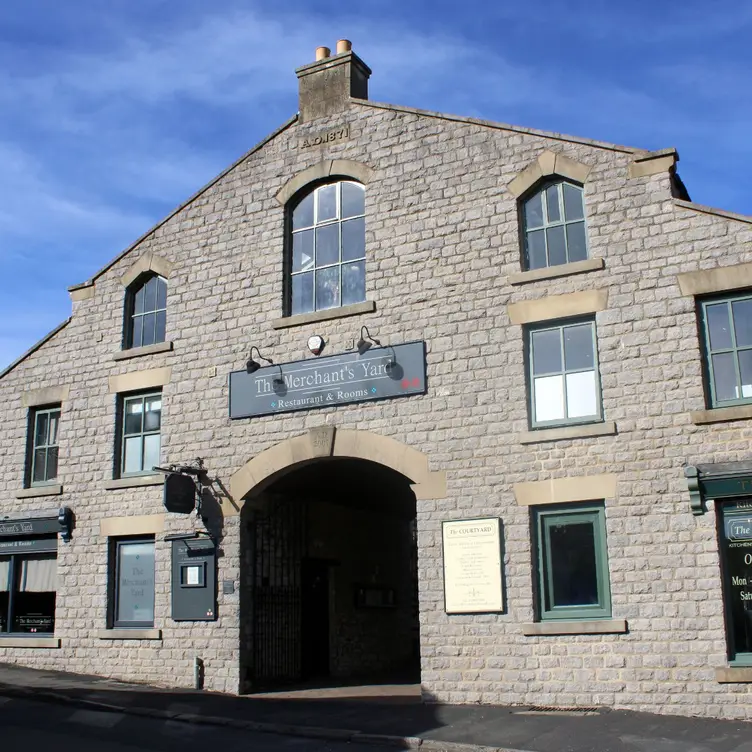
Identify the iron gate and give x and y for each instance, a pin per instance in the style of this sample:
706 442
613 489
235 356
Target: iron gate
279 550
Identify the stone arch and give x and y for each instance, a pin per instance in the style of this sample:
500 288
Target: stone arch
149 262
326 168
548 163
326 441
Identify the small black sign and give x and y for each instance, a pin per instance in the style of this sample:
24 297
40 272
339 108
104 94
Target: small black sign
32 526
379 373
179 493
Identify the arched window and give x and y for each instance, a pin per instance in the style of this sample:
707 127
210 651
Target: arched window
327 267
554 225
146 311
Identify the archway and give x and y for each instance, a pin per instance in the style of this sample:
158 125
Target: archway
329 589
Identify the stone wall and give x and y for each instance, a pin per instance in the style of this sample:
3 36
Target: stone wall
442 242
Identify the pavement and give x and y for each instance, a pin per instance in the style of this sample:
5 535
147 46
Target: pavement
385 718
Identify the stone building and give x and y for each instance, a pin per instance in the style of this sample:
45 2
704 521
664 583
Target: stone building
520 468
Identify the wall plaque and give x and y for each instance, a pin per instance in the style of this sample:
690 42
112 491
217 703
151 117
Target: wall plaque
380 373
328 137
472 566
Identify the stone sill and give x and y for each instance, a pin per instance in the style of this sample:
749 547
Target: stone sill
369 306
568 432
734 675
560 270
721 414
129 634
136 352
596 626
134 482
29 642
30 493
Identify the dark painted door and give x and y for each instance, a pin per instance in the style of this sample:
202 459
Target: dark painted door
315 621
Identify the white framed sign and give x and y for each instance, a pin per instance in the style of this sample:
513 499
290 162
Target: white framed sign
472 566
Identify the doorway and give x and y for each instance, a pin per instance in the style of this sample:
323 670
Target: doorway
329 590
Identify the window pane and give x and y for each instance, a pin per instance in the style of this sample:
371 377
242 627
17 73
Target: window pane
40 461
581 397
152 445
549 398
161 293
133 413
137 334
719 328
578 347
546 351
536 249
533 211
34 597
54 422
576 243
353 239
572 202
138 302
51 472
302 215
40 435
557 253
327 245
327 288
353 283
353 200
302 251
552 203
161 326
327 203
745 371
135 583
153 413
742 312
132 458
149 322
573 575
150 294
724 377
302 293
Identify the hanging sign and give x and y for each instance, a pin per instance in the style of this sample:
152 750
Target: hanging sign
379 373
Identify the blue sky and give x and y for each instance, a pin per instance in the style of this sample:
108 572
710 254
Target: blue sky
115 112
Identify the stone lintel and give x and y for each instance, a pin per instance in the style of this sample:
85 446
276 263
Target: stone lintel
734 675
132 382
149 262
135 481
558 306
50 395
562 490
568 432
30 642
719 279
300 319
548 163
145 524
721 414
348 168
596 626
54 489
137 352
560 270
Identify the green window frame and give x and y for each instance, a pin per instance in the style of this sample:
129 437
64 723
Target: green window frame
563 377
734 520
727 337
140 433
326 248
572 578
146 319
44 450
554 226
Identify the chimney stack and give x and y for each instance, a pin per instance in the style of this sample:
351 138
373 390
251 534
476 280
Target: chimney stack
326 85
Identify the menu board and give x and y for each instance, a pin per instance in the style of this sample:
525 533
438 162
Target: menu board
737 550
472 566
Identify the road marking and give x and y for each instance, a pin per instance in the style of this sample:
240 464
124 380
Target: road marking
96 718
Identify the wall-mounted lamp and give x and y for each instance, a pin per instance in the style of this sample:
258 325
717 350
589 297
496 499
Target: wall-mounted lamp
251 365
65 521
366 340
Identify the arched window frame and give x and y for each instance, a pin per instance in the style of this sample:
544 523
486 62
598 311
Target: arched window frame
354 260
137 314
562 225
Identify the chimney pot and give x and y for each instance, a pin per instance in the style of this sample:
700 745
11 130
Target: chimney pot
323 52
344 45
